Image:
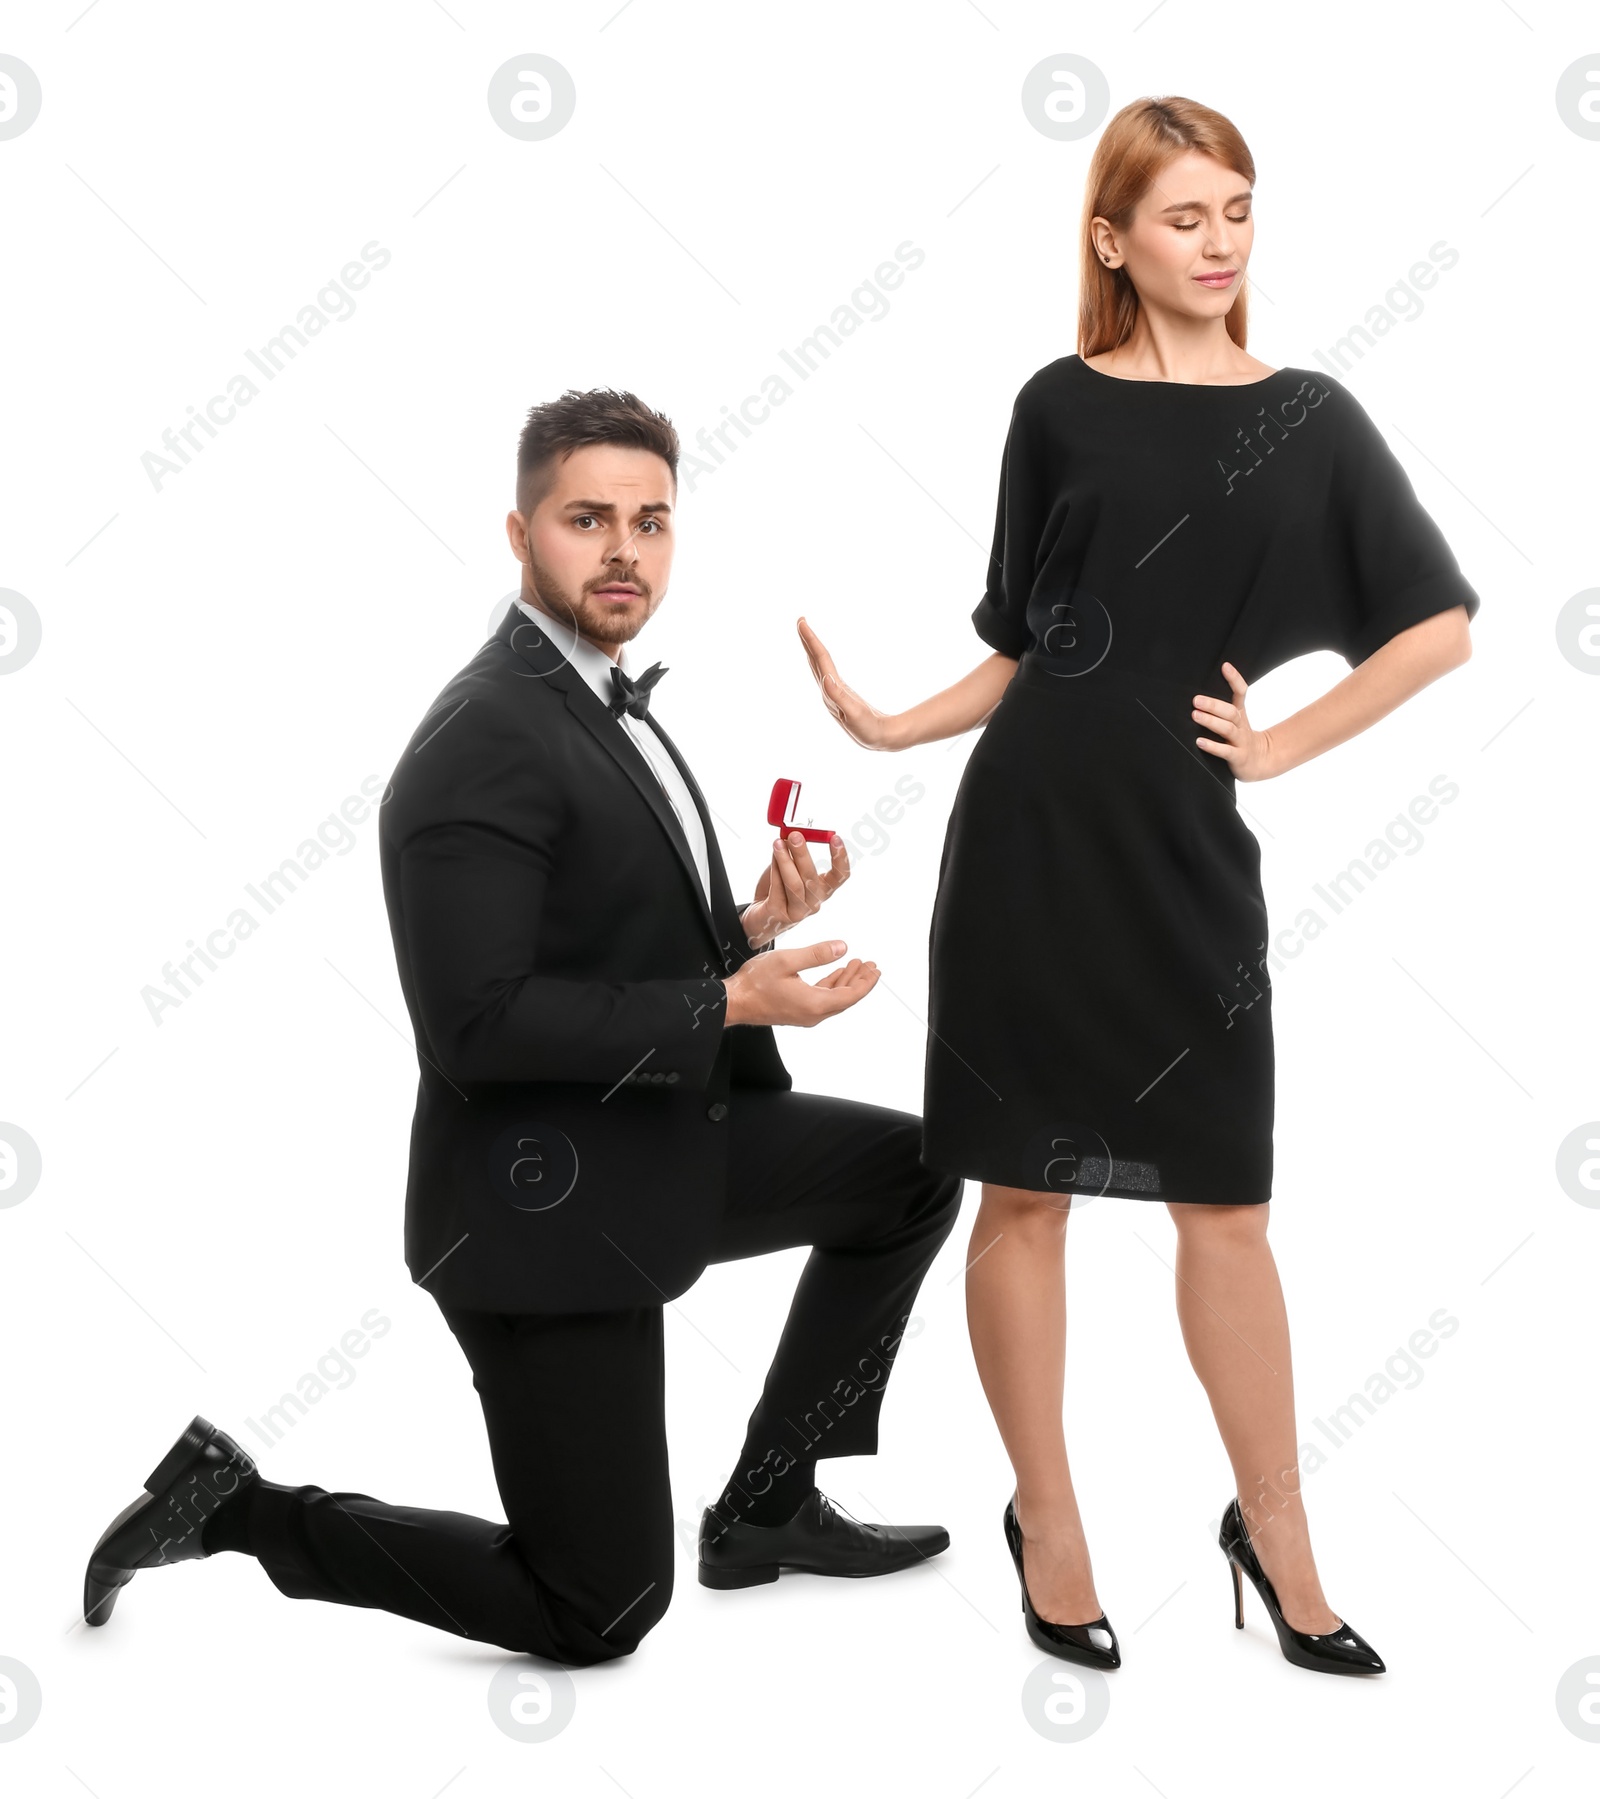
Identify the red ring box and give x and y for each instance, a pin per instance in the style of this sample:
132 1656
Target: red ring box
781 809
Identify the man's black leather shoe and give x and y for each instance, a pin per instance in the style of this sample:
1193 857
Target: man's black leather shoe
203 1471
816 1540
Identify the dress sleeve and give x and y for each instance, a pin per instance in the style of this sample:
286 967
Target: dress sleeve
1001 616
1387 564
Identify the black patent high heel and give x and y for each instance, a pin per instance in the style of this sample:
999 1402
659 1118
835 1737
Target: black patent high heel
1094 1644
1341 1651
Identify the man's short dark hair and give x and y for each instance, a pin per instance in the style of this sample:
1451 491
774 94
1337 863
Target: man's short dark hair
556 428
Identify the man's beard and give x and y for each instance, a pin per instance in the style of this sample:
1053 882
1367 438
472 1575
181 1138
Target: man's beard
587 615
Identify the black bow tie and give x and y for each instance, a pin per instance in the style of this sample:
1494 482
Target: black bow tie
630 696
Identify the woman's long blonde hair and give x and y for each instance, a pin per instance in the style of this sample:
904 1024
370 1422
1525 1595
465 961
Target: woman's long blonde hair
1133 149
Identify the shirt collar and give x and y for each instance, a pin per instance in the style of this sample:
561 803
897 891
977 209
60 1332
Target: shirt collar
587 658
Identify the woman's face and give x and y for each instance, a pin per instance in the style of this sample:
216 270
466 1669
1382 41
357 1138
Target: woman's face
1187 244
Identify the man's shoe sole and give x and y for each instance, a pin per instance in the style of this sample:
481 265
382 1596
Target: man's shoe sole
726 1580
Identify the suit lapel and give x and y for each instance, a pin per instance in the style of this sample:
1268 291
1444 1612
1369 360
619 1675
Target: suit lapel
726 914
538 648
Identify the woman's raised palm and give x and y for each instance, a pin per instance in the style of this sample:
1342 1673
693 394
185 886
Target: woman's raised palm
865 723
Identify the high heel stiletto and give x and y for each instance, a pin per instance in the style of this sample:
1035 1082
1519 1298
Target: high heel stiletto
1341 1651
1093 1644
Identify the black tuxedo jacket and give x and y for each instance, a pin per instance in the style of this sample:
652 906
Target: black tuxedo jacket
563 973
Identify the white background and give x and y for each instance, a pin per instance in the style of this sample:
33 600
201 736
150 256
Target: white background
225 659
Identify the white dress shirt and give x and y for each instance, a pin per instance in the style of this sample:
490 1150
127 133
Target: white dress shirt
595 666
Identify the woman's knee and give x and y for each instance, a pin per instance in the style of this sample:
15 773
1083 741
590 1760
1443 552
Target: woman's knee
1023 1209
1222 1227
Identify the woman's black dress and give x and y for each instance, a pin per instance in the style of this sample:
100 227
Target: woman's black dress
1099 1007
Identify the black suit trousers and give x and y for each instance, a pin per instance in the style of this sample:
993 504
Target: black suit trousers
574 1404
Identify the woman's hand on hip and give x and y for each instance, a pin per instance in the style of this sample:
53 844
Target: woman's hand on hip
1248 750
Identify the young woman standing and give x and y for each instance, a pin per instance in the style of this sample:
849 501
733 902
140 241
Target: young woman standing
1175 519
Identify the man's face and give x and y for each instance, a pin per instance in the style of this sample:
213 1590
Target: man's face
597 548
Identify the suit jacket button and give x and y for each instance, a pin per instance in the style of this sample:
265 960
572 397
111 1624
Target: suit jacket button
671 1078
717 1112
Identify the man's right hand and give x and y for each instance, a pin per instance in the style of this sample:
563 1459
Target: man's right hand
768 989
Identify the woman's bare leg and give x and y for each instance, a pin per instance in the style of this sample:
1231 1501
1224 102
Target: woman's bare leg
1235 1327
1017 1317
